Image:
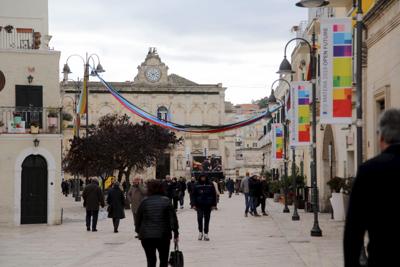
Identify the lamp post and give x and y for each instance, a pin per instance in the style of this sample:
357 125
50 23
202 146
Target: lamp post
271 101
286 68
66 70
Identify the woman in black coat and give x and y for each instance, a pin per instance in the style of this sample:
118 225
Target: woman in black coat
155 222
116 201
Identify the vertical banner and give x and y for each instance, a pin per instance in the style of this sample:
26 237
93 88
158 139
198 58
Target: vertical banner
277 141
336 70
300 134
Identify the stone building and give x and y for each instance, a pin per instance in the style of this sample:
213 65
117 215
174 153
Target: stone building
30 157
170 97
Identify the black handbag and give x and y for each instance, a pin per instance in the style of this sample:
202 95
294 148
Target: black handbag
176 257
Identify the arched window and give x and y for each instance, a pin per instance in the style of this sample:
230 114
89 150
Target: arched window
162 113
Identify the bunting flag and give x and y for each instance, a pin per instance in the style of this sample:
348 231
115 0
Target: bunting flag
336 71
299 133
277 141
82 103
174 126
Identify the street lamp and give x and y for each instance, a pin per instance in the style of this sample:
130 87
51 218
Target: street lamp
272 100
66 70
286 68
312 3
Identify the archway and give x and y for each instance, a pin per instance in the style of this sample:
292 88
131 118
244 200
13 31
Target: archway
34 190
328 162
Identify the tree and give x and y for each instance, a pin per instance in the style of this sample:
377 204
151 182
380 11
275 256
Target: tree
262 103
117 144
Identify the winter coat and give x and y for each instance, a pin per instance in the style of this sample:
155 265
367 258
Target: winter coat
254 187
244 185
190 187
116 203
367 214
182 187
156 218
230 185
174 189
204 194
135 196
264 188
92 197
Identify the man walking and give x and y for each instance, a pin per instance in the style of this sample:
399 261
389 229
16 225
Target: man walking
135 196
365 213
92 199
182 189
264 194
190 188
204 200
230 185
244 188
254 194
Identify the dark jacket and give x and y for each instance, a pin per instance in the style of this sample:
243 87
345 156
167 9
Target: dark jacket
182 187
230 185
254 187
204 195
190 187
366 213
116 202
174 190
92 197
264 188
156 218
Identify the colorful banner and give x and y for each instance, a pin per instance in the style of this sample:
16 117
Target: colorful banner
336 71
300 123
277 141
82 104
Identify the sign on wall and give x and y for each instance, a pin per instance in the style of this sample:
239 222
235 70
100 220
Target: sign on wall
336 71
300 112
277 141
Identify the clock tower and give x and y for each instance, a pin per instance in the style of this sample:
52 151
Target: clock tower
152 71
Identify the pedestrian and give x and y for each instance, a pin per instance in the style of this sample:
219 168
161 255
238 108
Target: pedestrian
254 194
230 186
135 195
264 194
213 181
365 214
167 186
204 200
182 189
190 188
64 188
174 188
237 186
156 220
116 204
244 188
92 199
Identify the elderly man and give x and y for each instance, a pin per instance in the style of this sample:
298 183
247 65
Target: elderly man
367 214
135 196
92 198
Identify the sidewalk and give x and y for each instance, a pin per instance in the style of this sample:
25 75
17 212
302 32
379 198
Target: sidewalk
272 240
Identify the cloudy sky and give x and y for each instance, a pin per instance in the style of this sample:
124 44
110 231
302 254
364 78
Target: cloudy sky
237 43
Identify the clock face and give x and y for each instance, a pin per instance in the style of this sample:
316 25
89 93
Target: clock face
153 74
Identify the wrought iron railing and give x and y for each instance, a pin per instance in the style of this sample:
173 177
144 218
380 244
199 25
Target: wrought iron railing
19 38
25 120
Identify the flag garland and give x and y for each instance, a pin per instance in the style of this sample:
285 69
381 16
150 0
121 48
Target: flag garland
174 126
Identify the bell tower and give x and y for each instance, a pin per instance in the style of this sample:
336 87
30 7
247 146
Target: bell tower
152 71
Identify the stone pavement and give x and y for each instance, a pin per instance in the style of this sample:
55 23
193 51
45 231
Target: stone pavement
272 240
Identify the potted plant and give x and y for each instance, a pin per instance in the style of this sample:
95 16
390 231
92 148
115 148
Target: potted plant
52 117
34 127
275 189
67 118
17 117
337 200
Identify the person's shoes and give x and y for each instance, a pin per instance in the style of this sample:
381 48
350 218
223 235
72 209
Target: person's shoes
256 214
88 229
94 230
115 231
265 214
245 214
206 238
181 207
251 213
200 236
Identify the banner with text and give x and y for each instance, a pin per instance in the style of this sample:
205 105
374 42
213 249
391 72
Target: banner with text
336 71
277 141
300 124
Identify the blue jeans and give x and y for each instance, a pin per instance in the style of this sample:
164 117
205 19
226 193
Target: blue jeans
253 204
247 202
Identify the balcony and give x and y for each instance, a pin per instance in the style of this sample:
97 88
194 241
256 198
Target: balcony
19 38
30 120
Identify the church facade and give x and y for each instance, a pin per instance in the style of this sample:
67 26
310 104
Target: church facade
170 97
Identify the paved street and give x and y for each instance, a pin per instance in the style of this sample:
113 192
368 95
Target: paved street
235 240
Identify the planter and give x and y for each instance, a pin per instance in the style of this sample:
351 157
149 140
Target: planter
52 129
34 129
65 124
17 119
339 205
52 121
276 197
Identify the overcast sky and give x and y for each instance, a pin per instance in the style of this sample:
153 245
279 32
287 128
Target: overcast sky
237 43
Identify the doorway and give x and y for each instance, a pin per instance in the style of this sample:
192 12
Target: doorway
163 166
34 190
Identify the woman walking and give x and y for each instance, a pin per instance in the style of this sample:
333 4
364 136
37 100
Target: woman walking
115 201
156 220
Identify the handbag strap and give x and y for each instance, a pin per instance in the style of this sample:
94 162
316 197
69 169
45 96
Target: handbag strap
176 245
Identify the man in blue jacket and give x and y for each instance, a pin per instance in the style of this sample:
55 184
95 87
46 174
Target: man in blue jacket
204 200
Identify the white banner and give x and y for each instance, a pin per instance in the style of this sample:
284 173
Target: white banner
336 71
